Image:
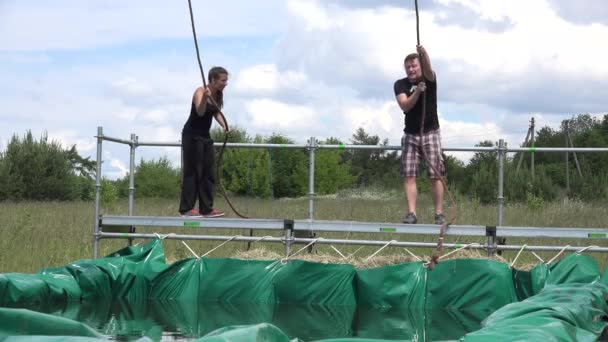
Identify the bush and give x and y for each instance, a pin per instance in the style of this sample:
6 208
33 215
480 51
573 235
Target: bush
154 178
245 172
590 188
331 174
109 193
483 185
39 170
523 187
289 171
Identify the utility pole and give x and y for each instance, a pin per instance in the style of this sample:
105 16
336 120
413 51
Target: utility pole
521 156
532 145
567 160
569 143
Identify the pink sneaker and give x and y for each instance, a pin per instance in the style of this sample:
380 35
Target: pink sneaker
191 213
213 213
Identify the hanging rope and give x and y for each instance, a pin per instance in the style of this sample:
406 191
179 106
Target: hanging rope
453 213
221 153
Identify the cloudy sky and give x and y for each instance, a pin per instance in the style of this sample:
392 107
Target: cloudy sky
300 68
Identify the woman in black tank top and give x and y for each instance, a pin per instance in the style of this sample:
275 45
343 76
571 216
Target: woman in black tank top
198 154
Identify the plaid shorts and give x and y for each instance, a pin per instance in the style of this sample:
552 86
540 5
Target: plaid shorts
411 153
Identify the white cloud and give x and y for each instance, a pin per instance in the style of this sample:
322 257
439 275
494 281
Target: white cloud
120 169
382 118
266 79
132 87
316 17
125 114
270 116
327 73
69 24
158 133
458 134
369 44
156 116
68 138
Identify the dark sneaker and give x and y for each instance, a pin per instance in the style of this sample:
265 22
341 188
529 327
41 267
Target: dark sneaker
439 219
213 213
191 213
410 218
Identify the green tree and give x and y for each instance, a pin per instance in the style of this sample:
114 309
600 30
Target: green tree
332 172
592 187
520 187
455 172
236 135
244 171
585 131
483 185
42 170
481 171
260 180
154 178
289 169
374 167
362 161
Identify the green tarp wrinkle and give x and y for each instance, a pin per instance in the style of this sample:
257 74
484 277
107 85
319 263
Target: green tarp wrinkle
568 312
470 283
575 268
19 322
252 333
402 285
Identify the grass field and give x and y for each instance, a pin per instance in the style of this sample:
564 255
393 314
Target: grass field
35 235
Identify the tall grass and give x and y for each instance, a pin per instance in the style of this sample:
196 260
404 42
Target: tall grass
35 235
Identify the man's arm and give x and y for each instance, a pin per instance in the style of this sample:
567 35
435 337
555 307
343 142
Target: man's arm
200 100
408 102
425 63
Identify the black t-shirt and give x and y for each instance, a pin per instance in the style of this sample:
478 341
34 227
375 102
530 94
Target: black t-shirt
200 125
413 117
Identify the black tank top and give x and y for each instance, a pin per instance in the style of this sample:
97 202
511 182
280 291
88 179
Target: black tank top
200 125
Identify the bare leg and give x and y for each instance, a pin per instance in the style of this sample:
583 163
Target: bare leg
437 193
411 193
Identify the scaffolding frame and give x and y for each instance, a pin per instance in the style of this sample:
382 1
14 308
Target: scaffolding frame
124 227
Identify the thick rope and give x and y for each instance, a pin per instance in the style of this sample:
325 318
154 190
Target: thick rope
558 254
337 251
586 248
454 210
412 254
220 245
285 259
221 153
458 250
162 237
518 254
538 257
190 249
381 248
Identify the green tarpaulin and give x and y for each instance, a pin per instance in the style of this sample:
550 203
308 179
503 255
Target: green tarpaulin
133 294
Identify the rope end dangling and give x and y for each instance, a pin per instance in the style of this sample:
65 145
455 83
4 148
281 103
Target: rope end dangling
434 261
435 257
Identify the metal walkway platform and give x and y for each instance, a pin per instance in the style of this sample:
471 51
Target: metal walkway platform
112 227
349 227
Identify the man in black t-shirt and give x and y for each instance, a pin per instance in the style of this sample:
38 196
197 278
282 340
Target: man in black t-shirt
409 91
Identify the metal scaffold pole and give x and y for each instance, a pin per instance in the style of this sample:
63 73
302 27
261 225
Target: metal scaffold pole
96 232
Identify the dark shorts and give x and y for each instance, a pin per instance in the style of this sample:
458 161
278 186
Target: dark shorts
411 154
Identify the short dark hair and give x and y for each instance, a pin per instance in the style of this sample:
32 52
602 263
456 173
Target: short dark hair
411 57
